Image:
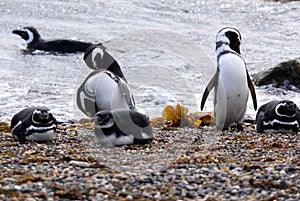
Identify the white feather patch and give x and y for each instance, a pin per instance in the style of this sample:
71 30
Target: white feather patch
30 35
18 124
282 115
94 53
279 122
41 137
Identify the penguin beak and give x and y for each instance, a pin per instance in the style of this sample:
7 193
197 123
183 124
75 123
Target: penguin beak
21 33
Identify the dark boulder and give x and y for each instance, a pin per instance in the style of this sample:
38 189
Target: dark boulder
285 74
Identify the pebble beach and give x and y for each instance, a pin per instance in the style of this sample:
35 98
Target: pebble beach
170 45
180 164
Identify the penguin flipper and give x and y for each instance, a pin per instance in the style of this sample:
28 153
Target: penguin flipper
212 83
127 94
252 90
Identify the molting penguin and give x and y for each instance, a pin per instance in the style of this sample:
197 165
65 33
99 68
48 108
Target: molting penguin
35 42
33 123
277 116
231 81
122 127
103 89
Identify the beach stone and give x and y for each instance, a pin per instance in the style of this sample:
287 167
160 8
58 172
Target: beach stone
284 75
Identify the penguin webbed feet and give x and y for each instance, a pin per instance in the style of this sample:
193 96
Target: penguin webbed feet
238 127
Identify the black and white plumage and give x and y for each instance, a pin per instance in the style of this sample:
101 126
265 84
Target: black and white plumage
122 127
35 124
105 88
97 58
35 42
277 116
231 81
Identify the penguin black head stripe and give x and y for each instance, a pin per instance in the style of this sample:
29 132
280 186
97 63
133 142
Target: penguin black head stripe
96 57
29 34
33 123
278 115
231 36
35 42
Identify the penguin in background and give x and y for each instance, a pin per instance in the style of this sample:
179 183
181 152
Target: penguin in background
35 42
231 81
277 116
122 127
106 87
34 124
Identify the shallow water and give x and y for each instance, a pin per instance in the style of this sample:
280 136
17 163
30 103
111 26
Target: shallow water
166 49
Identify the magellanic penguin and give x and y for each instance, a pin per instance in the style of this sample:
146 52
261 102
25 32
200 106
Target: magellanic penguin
122 127
34 124
35 42
278 116
231 81
104 88
96 57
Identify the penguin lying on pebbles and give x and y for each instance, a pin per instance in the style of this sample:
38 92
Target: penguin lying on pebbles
35 124
231 81
277 116
104 88
35 42
122 127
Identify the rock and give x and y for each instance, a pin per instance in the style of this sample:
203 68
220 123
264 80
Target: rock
79 163
285 74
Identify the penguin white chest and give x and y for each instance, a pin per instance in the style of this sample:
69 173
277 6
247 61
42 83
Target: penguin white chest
42 137
233 88
108 94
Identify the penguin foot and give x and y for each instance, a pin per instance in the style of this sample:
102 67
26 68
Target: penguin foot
238 127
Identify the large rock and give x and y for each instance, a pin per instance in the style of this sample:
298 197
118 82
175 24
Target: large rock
284 75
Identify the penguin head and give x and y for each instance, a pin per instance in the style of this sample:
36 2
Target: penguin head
93 56
230 36
42 116
104 119
29 34
286 108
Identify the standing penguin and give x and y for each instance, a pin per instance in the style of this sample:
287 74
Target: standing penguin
35 42
96 57
122 127
33 123
278 115
231 81
106 87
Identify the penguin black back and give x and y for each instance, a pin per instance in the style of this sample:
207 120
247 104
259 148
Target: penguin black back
35 42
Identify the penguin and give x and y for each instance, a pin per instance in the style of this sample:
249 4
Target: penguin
96 57
35 42
122 127
103 90
106 87
231 81
34 124
277 116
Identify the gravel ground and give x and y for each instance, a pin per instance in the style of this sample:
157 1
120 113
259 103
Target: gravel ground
180 164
